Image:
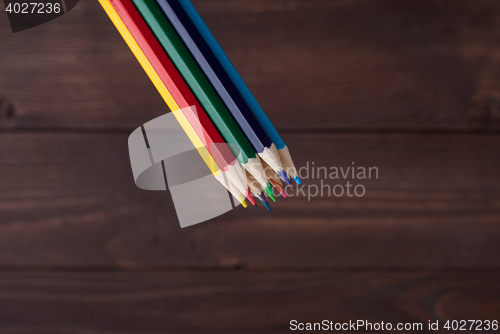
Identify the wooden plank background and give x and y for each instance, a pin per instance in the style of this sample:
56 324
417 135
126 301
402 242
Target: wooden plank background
410 87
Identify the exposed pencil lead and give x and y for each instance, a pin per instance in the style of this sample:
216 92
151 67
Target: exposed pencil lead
271 196
279 187
282 192
266 204
284 176
268 190
297 180
244 203
262 197
250 197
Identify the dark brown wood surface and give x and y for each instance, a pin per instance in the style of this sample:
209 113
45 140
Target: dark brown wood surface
435 203
254 302
409 87
370 65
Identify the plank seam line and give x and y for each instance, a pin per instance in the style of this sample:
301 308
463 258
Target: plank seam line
240 268
283 131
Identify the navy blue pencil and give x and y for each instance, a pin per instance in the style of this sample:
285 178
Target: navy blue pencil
223 85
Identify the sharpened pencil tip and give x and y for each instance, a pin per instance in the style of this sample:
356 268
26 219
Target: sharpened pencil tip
297 180
271 196
262 197
284 176
268 190
266 204
279 187
242 201
250 197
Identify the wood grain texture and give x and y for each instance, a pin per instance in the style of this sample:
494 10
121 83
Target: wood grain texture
83 250
352 64
236 301
69 199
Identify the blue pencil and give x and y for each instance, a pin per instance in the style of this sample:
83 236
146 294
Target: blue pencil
223 85
242 88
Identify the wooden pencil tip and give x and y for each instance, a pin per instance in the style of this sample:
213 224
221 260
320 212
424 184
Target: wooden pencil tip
297 180
242 201
284 176
268 190
266 204
250 197
262 197
279 188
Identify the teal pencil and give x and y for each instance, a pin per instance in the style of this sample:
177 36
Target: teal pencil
247 95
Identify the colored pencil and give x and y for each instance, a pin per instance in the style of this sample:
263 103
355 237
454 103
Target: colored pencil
174 83
211 105
223 85
245 92
236 193
256 190
232 174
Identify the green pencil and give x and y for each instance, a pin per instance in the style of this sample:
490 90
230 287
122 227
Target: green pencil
202 89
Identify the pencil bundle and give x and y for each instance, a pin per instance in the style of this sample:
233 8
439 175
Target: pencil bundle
208 97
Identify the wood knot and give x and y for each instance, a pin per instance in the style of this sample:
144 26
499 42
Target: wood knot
6 109
482 114
448 29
